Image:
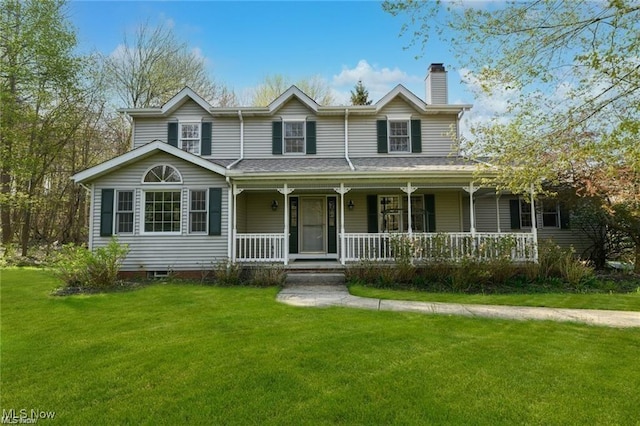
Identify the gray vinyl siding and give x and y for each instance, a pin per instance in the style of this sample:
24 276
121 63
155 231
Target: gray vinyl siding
259 217
437 131
164 252
225 138
257 137
486 221
225 131
437 88
356 220
294 107
330 136
448 210
258 142
241 213
149 129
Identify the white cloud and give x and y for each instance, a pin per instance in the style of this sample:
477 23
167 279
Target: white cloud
378 81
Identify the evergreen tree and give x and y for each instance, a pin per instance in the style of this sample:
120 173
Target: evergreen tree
361 95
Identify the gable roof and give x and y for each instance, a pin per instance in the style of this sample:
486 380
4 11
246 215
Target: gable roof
181 97
404 93
140 153
171 105
291 92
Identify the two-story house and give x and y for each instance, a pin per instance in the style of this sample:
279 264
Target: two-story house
296 180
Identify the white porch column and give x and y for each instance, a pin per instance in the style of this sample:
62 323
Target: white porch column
409 190
498 210
534 227
236 191
472 220
342 190
286 191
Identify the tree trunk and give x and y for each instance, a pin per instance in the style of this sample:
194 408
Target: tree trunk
26 230
5 209
636 268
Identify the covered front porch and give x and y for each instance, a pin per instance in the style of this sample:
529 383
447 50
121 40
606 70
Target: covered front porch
380 221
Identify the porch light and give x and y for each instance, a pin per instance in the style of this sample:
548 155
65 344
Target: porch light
274 205
351 205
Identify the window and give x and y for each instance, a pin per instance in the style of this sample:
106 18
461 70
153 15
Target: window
198 211
525 214
294 137
399 136
162 174
190 137
550 214
162 211
124 212
417 214
391 213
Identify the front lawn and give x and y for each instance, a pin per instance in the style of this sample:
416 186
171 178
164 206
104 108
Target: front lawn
614 301
182 353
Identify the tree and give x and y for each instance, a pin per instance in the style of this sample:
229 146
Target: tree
274 85
361 95
38 90
572 71
155 65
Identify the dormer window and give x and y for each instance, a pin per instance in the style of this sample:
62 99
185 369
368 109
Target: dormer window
399 140
294 137
190 137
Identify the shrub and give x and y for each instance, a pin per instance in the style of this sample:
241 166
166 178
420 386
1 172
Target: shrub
268 276
227 274
77 266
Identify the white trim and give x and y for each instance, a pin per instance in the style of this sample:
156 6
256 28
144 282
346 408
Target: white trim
288 94
418 103
178 99
206 211
115 210
144 175
197 122
143 152
409 146
284 138
143 212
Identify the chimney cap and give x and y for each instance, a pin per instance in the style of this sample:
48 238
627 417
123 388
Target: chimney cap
437 68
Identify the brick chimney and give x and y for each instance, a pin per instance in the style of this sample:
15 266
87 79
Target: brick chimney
436 85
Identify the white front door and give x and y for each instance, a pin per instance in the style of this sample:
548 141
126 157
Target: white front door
313 225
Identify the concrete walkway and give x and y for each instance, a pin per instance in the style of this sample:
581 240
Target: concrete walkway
333 294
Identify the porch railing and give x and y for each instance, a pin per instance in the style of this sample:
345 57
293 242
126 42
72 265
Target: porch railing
518 247
260 247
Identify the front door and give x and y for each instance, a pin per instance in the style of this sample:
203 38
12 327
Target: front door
312 225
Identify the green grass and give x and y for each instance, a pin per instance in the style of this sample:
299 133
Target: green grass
180 353
614 301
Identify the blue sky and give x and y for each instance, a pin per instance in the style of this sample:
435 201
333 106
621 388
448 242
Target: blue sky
244 41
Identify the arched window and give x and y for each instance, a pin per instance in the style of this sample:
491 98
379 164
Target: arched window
162 173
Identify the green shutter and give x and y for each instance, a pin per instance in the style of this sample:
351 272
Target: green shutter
372 213
430 212
206 138
293 224
215 211
416 136
514 210
332 225
276 137
565 216
382 136
311 137
172 134
106 213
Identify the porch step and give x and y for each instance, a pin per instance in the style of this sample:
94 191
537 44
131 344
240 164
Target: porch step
315 278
